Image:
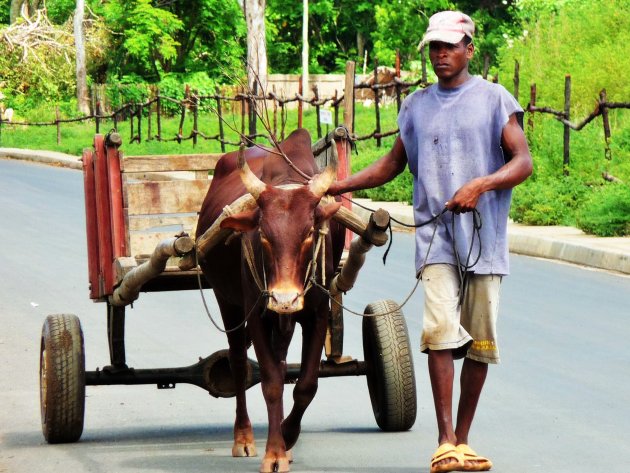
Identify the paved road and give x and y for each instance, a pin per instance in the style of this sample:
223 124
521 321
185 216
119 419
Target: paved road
559 402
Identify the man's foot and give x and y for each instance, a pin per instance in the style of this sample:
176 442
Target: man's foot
472 461
447 458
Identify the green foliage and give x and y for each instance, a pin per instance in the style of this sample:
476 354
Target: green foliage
5 10
607 211
144 36
400 27
584 38
548 200
59 11
45 73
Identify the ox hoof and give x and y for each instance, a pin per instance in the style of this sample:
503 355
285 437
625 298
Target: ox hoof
271 465
290 455
244 450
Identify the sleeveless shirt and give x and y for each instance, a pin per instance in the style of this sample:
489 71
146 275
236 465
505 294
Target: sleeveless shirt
450 137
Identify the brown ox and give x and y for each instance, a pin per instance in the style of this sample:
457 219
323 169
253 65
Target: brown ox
282 232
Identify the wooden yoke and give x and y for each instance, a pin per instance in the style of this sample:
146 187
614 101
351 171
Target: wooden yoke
374 232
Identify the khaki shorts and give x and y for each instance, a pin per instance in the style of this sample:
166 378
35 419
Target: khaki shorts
469 330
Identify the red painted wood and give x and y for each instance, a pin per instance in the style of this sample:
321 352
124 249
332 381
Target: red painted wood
90 222
103 218
119 238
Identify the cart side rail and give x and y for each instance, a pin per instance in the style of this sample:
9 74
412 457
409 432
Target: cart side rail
133 203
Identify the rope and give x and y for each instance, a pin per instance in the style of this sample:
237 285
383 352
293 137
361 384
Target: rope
262 295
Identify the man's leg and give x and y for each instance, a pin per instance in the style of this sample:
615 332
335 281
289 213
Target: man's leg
441 372
472 380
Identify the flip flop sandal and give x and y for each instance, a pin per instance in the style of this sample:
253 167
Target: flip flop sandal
469 455
444 452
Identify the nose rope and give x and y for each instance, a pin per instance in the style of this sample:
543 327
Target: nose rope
261 296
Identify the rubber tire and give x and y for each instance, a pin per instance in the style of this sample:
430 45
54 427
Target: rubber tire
62 378
390 374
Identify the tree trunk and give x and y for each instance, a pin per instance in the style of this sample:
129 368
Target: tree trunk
83 99
16 6
256 44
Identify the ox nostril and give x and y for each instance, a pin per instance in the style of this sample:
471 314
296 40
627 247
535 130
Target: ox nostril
285 302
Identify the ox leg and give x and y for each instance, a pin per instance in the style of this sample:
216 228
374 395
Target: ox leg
271 344
244 444
313 336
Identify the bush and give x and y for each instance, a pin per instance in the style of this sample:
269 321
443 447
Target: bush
607 211
548 201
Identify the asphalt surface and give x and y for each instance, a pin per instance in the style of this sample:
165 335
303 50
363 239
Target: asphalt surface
559 402
552 242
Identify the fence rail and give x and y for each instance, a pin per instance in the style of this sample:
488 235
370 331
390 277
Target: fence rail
272 110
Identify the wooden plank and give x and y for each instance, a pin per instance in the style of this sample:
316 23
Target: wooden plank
144 243
165 197
165 163
103 218
91 222
154 222
119 240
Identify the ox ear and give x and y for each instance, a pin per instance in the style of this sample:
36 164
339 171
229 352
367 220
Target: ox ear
242 222
325 212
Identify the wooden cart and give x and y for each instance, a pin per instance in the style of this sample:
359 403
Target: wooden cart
139 213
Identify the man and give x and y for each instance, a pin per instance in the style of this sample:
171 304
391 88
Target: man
465 148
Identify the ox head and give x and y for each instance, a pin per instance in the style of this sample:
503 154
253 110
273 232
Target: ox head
286 223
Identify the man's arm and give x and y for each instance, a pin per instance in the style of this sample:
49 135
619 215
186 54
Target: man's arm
376 174
507 176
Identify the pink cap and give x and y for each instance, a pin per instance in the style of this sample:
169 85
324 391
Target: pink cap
448 27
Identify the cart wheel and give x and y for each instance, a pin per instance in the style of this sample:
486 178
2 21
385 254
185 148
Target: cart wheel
390 375
62 378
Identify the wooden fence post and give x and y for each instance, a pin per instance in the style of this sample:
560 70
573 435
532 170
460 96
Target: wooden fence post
159 116
252 112
243 111
195 105
319 124
139 112
348 98
300 103
57 118
567 130
220 114
149 121
423 64
532 103
275 111
604 109
97 108
377 130
516 79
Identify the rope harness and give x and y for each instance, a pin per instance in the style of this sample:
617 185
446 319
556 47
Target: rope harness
464 269
247 251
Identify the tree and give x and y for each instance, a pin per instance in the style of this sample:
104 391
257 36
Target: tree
254 11
83 99
27 6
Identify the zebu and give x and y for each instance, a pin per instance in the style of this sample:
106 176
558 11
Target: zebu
270 288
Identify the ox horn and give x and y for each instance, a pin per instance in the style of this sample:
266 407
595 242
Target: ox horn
251 182
322 181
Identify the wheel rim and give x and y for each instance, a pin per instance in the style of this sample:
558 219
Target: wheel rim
43 381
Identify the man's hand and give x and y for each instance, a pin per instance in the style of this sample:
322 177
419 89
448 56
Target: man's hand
466 197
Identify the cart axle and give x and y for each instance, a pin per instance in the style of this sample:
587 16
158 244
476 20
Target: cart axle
212 374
